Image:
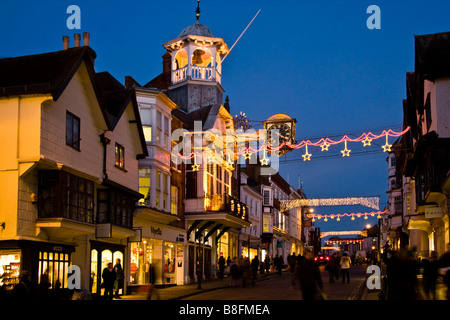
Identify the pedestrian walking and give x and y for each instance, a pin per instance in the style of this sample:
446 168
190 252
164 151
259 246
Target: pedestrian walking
444 265
235 273
307 273
109 278
345 264
118 284
279 264
246 270
430 275
292 260
333 267
254 266
267 263
221 266
25 289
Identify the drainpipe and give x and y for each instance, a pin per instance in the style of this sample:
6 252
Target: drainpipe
105 141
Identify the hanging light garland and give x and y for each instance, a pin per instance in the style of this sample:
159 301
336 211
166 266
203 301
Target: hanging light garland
346 241
339 233
338 216
323 143
370 202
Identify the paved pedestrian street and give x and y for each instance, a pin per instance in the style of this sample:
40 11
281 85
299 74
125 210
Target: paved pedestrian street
279 288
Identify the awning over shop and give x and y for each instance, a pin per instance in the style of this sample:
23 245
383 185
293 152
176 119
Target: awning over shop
419 223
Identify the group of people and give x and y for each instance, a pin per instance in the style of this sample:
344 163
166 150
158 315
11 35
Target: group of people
338 265
240 271
403 268
112 280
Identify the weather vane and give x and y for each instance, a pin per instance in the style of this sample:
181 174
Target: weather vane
197 12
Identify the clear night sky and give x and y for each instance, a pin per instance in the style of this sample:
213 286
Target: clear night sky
313 60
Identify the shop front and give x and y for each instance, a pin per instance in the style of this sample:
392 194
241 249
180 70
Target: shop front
38 258
158 257
103 253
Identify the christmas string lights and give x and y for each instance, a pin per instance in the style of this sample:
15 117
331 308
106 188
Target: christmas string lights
370 202
338 216
246 150
346 241
339 233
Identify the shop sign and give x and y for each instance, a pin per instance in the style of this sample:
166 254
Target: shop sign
156 231
137 236
180 238
104 230
433 212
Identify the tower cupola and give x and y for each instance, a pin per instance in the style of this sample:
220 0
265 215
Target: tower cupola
196 70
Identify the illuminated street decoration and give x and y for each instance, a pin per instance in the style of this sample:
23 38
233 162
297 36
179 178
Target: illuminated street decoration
346 241
370 202
338 216
340 233
263 147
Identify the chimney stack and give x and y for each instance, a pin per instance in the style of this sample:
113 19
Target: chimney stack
167 62
65 42
86 39
77 39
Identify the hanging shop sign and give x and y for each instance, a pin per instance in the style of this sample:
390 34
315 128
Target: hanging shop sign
433 212
104 230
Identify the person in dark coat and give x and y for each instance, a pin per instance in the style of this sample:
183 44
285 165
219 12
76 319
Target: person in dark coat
444 263
221 266
430 275
119 278
255 266
308 274
24 290
109 278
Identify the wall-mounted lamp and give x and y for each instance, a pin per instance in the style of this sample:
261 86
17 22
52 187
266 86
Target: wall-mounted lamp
3 225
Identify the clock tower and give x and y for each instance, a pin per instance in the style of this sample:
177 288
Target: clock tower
280 130
196 69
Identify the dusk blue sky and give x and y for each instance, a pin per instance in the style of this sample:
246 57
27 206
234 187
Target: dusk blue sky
314 60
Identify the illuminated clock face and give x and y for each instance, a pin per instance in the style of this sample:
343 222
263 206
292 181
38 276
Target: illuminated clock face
282 130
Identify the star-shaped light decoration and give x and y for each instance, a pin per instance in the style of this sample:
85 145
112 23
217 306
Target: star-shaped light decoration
229 163
366 142
345 152
307 155
211 156
264 161
247 155
325 146
387 147
195 166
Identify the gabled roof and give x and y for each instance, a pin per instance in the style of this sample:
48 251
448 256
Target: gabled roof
47 73
432 55
50 73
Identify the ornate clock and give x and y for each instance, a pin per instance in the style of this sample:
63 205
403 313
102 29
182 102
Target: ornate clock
280 128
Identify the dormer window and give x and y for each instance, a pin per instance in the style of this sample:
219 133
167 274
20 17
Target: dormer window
72 130
120 156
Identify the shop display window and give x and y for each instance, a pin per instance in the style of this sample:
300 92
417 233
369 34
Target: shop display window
99 261
9 268
222 246
141 271
53 267
169 262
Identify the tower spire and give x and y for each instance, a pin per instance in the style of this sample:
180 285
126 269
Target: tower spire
197 12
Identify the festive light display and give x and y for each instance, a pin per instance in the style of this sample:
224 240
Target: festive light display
352 215
346 241
370 202
339 233
248 149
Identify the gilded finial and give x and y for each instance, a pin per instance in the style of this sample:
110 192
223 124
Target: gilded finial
197 12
